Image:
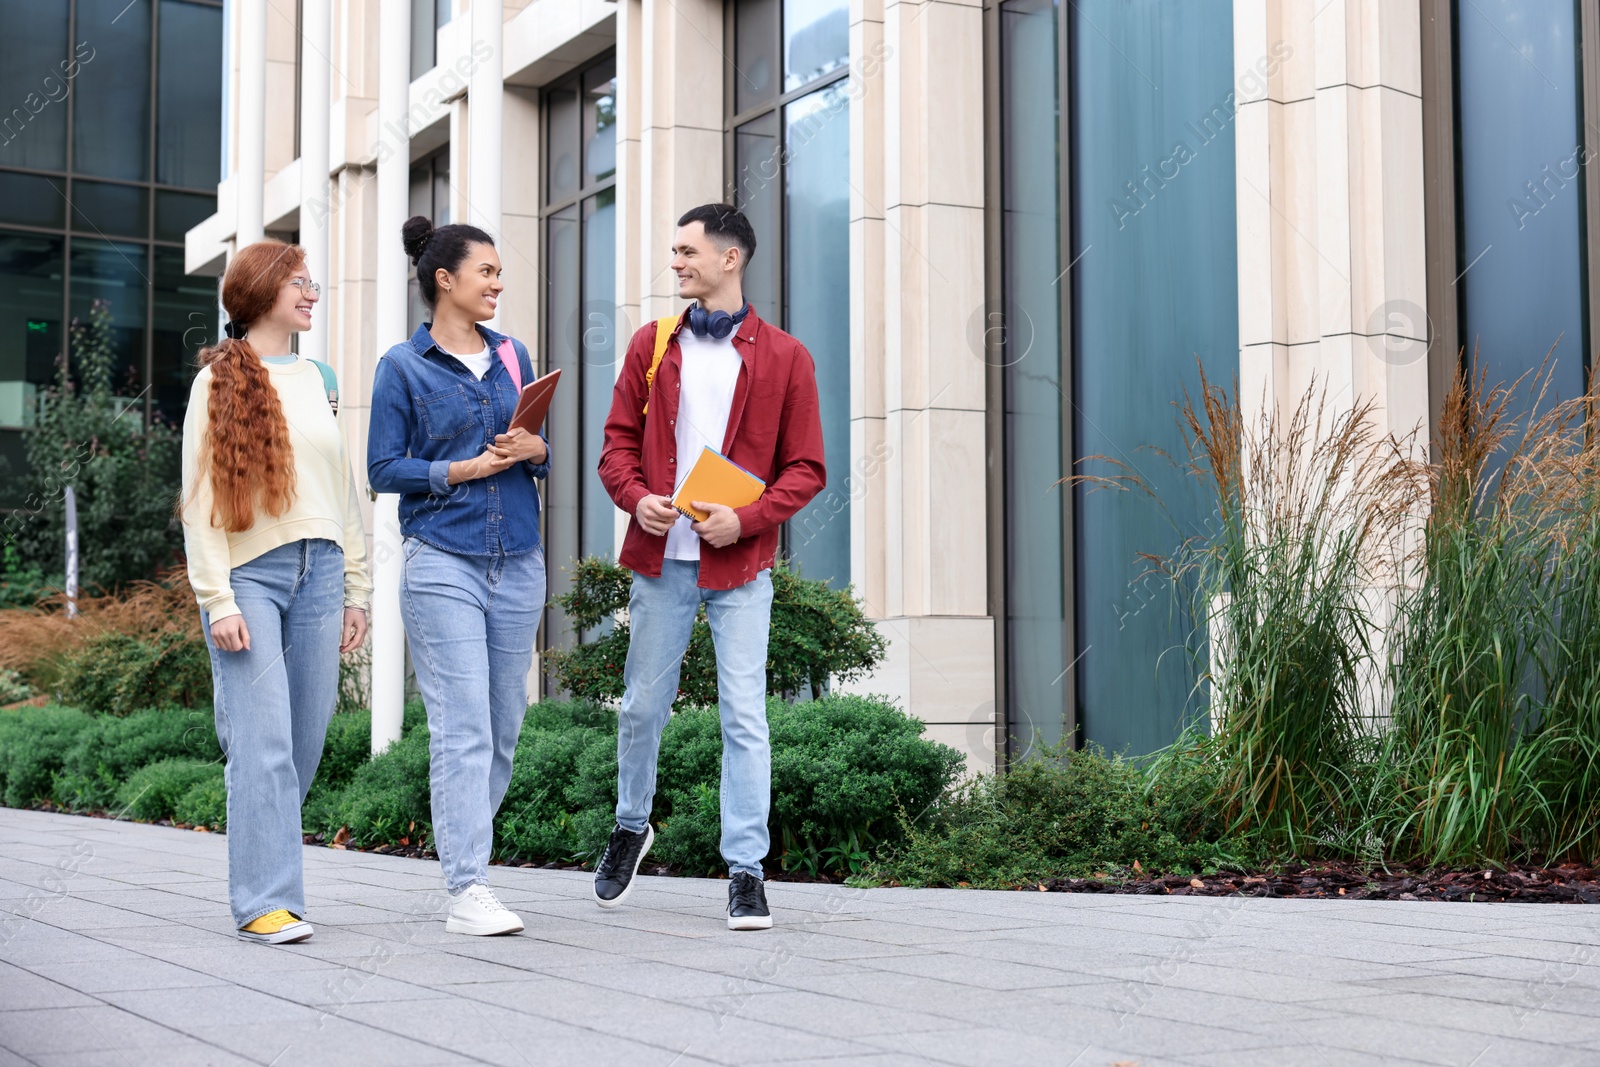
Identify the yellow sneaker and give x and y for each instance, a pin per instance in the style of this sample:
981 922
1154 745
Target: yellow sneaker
276 928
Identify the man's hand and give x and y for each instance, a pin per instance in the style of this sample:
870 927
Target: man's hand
231 634
656 514
355 630
521 444
720 528
491 460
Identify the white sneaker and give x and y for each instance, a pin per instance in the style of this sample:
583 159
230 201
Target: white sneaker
476 910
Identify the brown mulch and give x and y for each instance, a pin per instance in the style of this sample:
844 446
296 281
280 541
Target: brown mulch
1569 883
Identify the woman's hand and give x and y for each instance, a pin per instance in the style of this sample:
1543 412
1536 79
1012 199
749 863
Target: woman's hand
523 445
231 634
492 460
355 630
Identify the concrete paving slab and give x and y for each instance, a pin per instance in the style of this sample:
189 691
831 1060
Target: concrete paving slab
116 947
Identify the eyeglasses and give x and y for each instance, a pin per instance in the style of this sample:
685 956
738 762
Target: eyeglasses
306 286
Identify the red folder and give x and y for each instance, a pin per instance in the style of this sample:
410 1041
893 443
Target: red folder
534 403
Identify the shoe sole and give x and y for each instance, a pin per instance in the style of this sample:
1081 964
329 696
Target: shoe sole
750 922
512 925
633 879
289 935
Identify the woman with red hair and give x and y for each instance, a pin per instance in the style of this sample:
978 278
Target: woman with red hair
277 557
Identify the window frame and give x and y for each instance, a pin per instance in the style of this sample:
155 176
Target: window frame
1000 563
144 359
775 244
573 81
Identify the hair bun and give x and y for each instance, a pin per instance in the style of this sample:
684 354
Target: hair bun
414 236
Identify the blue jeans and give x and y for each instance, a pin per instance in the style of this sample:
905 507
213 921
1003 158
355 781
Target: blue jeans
470 621
660 616
273 703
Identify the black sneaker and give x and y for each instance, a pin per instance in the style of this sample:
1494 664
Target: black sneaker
613 878
747 903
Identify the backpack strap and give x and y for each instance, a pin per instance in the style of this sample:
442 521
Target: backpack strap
330 383
508 356
664 328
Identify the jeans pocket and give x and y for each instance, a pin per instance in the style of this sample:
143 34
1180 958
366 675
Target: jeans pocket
411 546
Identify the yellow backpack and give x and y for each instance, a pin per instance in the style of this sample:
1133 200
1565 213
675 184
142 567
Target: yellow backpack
664 328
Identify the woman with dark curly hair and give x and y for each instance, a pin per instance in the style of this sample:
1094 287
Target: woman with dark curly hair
472 579
278 561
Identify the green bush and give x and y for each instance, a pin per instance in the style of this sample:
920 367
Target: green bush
1066 815
125 471
205 804
817 633
153 792
33 744
13 688
387 798
109 750
115 673
843 770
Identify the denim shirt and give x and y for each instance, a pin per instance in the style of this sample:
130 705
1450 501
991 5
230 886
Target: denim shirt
427 412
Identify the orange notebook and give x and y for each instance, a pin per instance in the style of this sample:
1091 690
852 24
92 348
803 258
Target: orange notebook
534 403
718 480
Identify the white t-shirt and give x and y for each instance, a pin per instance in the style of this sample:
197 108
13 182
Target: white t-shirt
705 398
477 363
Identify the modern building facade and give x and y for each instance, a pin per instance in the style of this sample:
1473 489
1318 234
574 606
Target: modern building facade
110 143
1011 232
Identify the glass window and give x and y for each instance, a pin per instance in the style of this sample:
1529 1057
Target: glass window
178 213
1034 401
30 322
32 199
564 144
791 178
755 28
111 126
185 320
423 35
757 185
1520 167
116 272
816 40
561 508
188 96
582 321
598 339
429 196
817 302
600 123
110 210
1157 289
36 77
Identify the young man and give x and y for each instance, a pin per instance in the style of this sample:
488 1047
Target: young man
748 390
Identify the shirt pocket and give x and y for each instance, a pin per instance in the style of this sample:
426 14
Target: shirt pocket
445 414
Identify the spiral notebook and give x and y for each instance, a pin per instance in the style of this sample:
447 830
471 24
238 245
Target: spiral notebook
716 479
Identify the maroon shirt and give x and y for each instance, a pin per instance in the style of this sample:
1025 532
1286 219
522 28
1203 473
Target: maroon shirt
774 432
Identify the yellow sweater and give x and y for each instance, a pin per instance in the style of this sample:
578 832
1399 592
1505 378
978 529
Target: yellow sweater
325 503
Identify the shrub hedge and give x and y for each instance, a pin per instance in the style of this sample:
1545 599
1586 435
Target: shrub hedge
849 775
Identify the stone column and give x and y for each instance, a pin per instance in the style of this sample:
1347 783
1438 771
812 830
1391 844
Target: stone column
680 135
250 175
393 178
1332 264
918 416
315 76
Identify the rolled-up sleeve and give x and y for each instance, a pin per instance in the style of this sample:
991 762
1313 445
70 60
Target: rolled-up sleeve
390 468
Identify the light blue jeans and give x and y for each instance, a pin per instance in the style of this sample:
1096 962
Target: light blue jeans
471 622
273 703
660 616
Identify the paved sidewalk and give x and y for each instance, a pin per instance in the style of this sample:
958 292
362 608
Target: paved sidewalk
115 948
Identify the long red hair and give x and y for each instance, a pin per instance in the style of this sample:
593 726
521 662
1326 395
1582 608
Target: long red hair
246 449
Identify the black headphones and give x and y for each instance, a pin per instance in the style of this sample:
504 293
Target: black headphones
718 324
